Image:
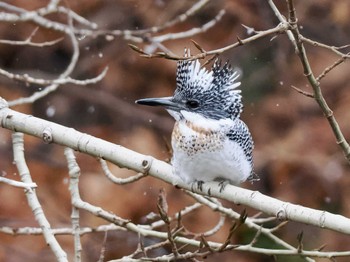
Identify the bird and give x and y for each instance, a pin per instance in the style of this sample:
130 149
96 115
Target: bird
209 140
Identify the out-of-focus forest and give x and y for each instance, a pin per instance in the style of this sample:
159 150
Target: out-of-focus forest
296 155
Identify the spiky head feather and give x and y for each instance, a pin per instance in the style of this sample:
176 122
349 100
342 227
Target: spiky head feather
214 90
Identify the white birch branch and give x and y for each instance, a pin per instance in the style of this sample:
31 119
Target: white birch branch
35 231
59 81
19 184
125 158
33 201
75 217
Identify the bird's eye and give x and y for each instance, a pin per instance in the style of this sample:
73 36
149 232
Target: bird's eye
192 104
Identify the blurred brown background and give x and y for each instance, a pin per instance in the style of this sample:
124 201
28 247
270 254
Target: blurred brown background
295 153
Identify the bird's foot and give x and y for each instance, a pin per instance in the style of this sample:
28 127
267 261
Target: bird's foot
223 184
253 178
198 184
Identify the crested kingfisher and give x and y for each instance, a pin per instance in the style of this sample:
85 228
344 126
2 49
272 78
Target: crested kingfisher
209 140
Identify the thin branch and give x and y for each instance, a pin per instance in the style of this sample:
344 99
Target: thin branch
118 180
75 217
256 237
33 202
282 19
183 17
261 220
29 42
334 49
237 224
53 4
35 231
280 225
185 211
303 92
189 33
178 19
216 228
14 183
81 20
330 68
60 81
11 8
162 206
103 249
141 249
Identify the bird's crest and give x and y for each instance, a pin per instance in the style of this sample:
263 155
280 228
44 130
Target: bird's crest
216 88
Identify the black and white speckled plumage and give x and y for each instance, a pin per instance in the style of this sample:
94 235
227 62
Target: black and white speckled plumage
240 133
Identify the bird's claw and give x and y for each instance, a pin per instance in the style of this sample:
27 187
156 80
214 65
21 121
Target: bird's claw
198 184
253 178
223 184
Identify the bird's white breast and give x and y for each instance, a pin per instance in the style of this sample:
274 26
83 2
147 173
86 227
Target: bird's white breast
203 152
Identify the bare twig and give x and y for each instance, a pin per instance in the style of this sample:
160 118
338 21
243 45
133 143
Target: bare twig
334 49
33 202
178 19
103 248
117 180
29 42
60 81
232 230
35 231
280 225
300 238
73 185
217 227
282 19
189 33
18 184
331 67
303 92
162 206
185 211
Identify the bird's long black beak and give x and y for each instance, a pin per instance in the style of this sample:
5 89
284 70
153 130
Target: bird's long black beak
167 102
